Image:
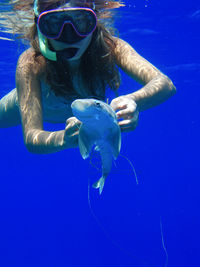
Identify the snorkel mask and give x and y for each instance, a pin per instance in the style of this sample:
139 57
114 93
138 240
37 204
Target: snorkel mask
66 24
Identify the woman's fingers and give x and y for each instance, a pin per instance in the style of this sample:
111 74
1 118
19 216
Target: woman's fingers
126 112
129 123
72 131
72 126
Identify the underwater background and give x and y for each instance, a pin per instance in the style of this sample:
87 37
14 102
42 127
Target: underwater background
46 216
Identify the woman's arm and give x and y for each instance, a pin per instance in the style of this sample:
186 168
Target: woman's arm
157 87
29 96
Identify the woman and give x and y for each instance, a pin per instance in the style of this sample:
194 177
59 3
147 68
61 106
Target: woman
73 55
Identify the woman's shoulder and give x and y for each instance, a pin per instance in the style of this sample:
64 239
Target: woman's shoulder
31 62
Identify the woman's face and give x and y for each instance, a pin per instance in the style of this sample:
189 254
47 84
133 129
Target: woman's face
69 45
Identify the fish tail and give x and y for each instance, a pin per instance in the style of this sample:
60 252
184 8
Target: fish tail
99 184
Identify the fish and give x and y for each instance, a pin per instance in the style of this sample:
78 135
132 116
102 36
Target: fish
99 130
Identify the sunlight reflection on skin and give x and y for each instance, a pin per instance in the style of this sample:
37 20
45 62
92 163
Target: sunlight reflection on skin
48 140
10 100
157 88
35 139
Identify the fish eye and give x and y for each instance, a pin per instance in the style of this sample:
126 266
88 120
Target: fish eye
97 104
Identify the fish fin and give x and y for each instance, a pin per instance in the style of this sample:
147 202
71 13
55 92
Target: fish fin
85 143
99 184
115 141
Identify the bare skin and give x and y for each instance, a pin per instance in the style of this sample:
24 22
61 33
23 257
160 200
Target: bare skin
157 88
37 140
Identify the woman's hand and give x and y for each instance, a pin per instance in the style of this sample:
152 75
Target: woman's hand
126 109
71 132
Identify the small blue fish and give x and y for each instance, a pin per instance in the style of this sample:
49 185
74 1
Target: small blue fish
100 129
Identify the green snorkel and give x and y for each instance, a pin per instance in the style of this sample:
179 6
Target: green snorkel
43 42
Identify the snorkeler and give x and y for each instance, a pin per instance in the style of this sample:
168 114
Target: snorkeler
73 55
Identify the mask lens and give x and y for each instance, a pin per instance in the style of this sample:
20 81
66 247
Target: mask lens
82 20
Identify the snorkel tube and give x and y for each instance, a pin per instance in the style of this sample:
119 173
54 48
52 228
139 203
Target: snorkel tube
43 41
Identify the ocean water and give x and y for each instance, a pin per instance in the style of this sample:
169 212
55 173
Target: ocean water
46 219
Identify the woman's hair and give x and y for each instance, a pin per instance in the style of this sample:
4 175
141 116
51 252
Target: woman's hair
98 70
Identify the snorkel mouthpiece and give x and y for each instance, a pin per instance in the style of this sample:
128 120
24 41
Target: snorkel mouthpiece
66 54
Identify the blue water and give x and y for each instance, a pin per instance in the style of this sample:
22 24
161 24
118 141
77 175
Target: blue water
45 218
